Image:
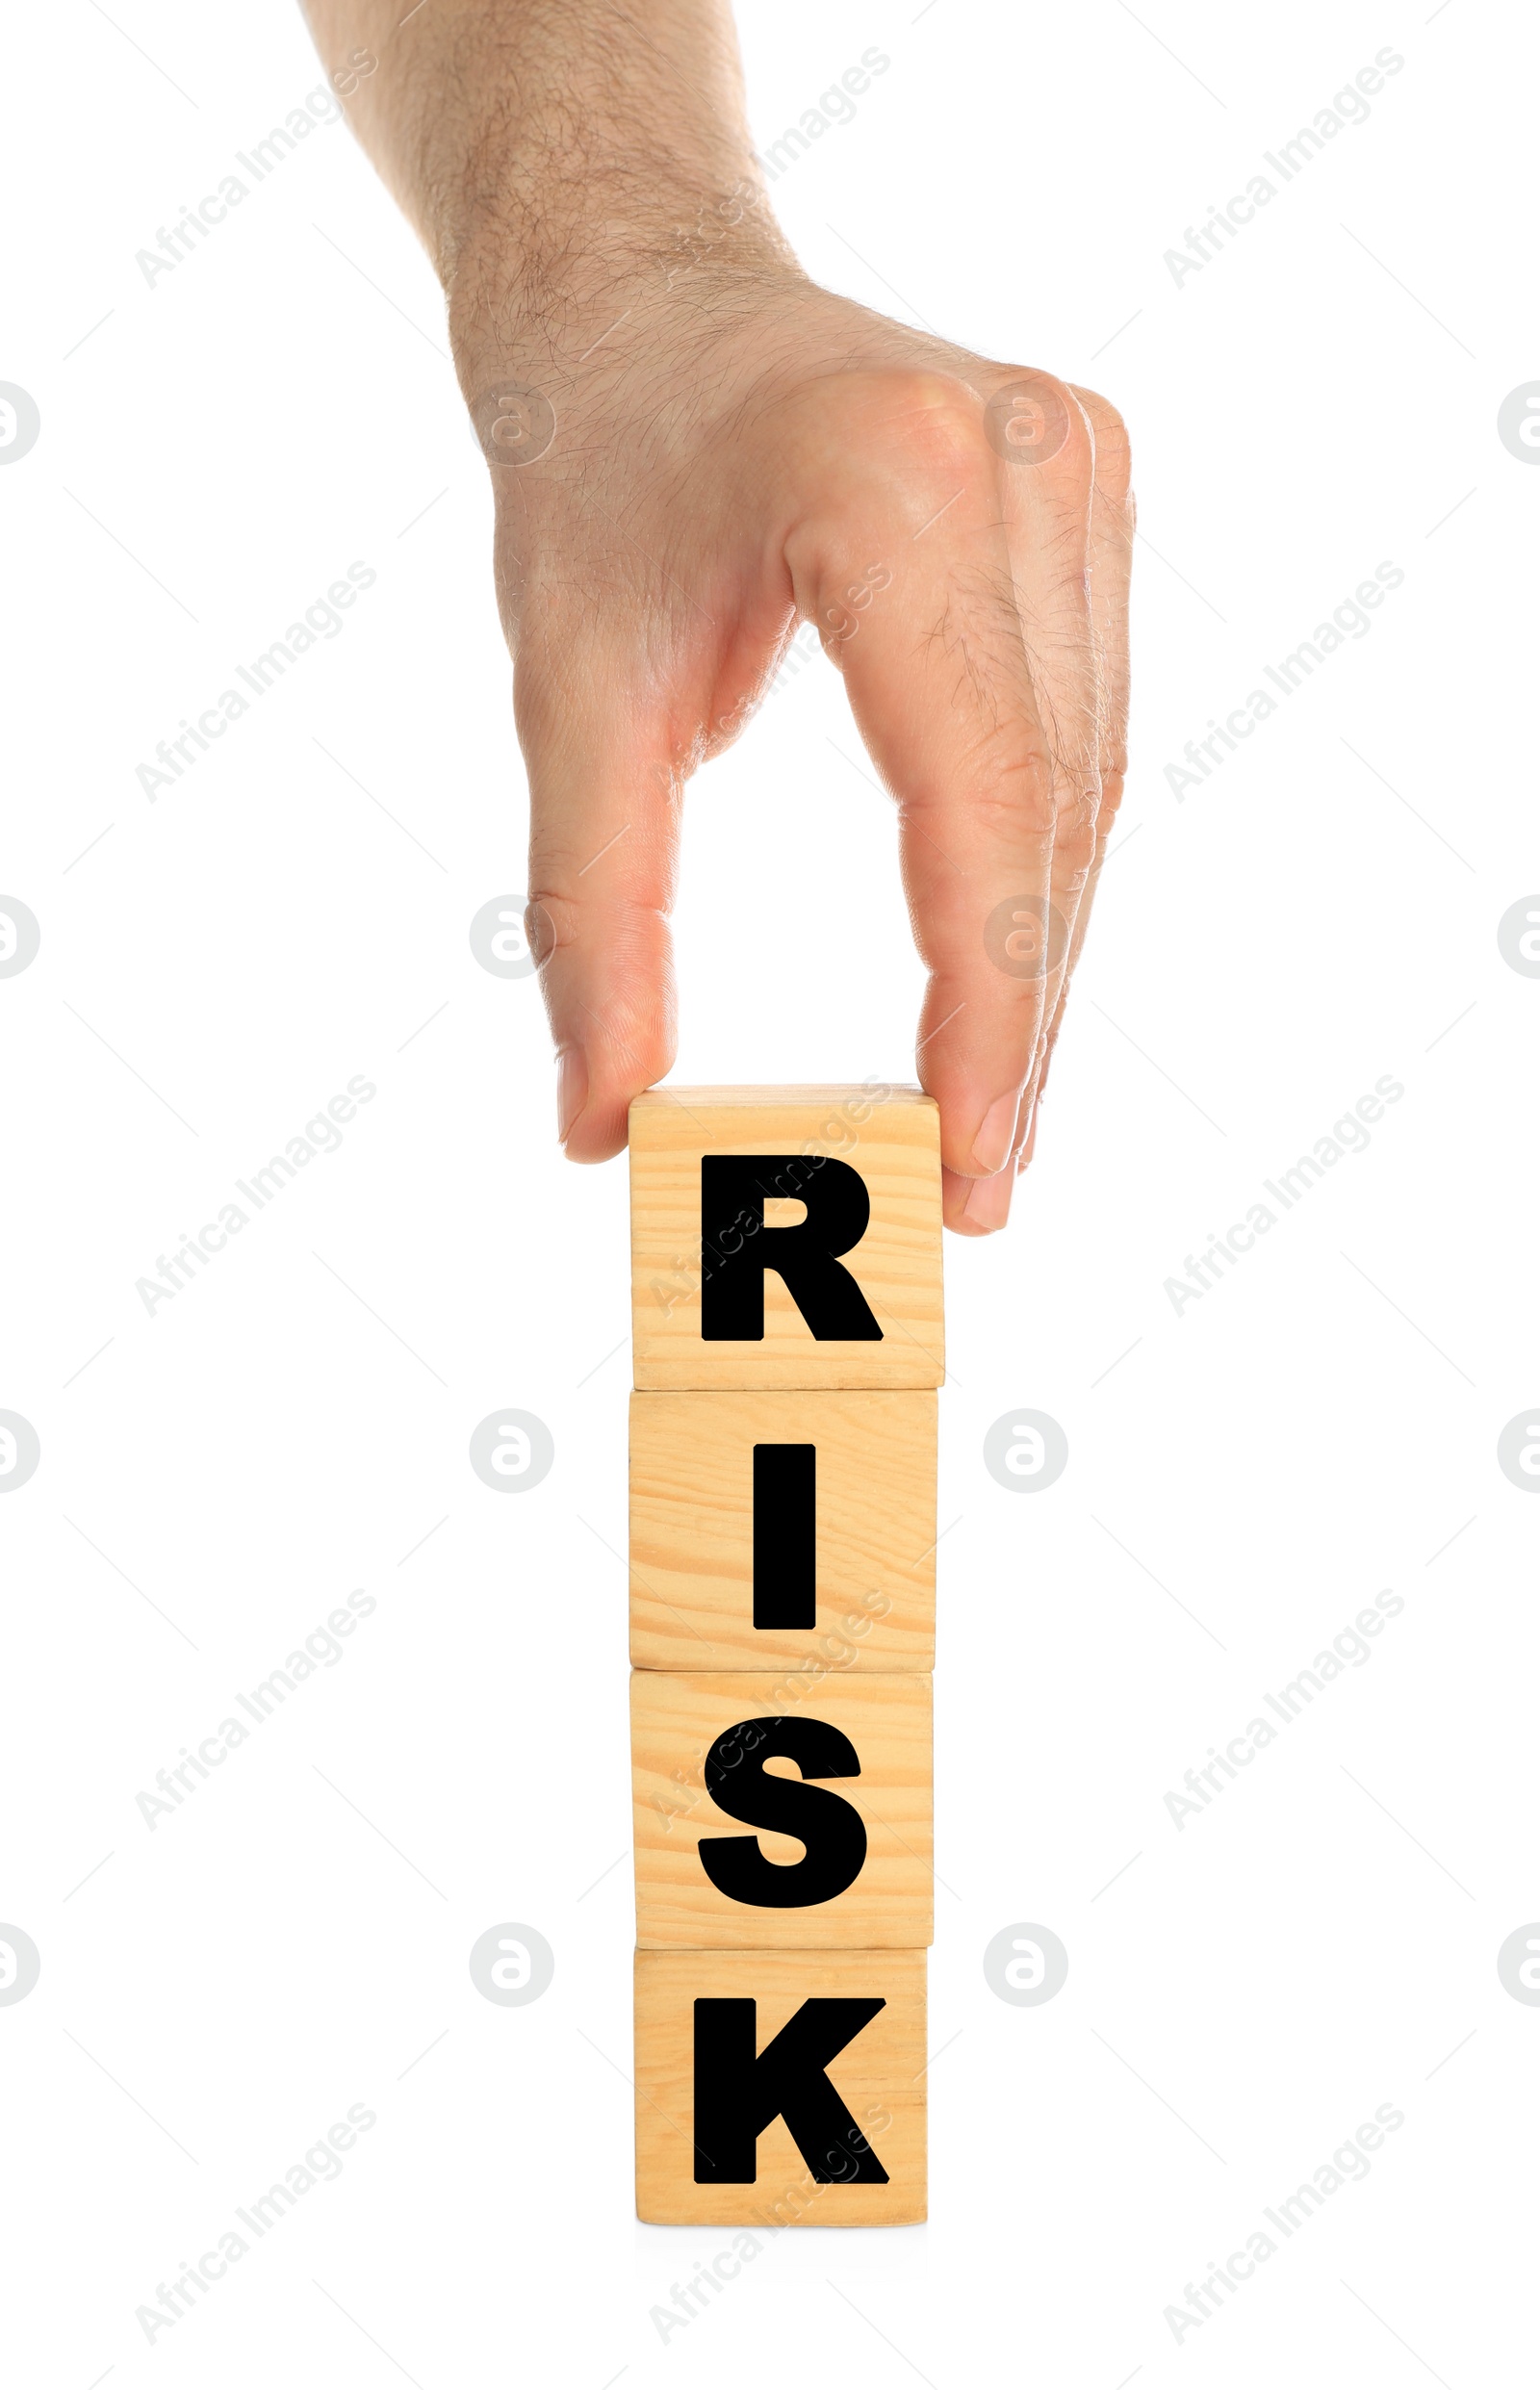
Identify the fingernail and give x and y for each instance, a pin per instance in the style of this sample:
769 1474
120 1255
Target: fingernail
1030 1140
572 1089
991 1146
988 1203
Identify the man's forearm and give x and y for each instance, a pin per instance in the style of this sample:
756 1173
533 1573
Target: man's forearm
552 152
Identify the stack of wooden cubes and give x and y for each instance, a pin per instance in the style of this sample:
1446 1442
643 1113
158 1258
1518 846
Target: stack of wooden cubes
788 1337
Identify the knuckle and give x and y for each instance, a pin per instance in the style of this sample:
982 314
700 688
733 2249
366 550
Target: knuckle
1048 386
1114 449
918 433
938 420
1105 420
1075 828
550 922
548 928
882 409
1112 788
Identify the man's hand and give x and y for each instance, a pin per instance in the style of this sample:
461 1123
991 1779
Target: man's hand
692 447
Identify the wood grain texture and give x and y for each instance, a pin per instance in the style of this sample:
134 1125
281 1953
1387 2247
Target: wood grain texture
692 1530
879 2076
676 1719
889 1137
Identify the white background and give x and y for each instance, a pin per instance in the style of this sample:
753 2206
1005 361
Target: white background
1243 1474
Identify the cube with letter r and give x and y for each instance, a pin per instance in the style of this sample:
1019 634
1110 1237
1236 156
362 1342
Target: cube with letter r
786 1237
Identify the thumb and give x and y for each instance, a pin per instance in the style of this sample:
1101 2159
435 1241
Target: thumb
603 808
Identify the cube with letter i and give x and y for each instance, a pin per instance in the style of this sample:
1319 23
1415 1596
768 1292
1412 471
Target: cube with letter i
788 1335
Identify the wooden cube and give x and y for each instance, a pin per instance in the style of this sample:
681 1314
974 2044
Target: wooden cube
831 2042
784 1529
786 1237
776 1813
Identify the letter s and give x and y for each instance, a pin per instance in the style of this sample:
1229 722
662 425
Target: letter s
831 1830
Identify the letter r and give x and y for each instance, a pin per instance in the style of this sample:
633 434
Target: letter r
805 1257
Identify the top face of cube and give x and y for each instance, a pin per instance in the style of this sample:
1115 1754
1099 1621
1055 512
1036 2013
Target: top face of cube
786 1237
